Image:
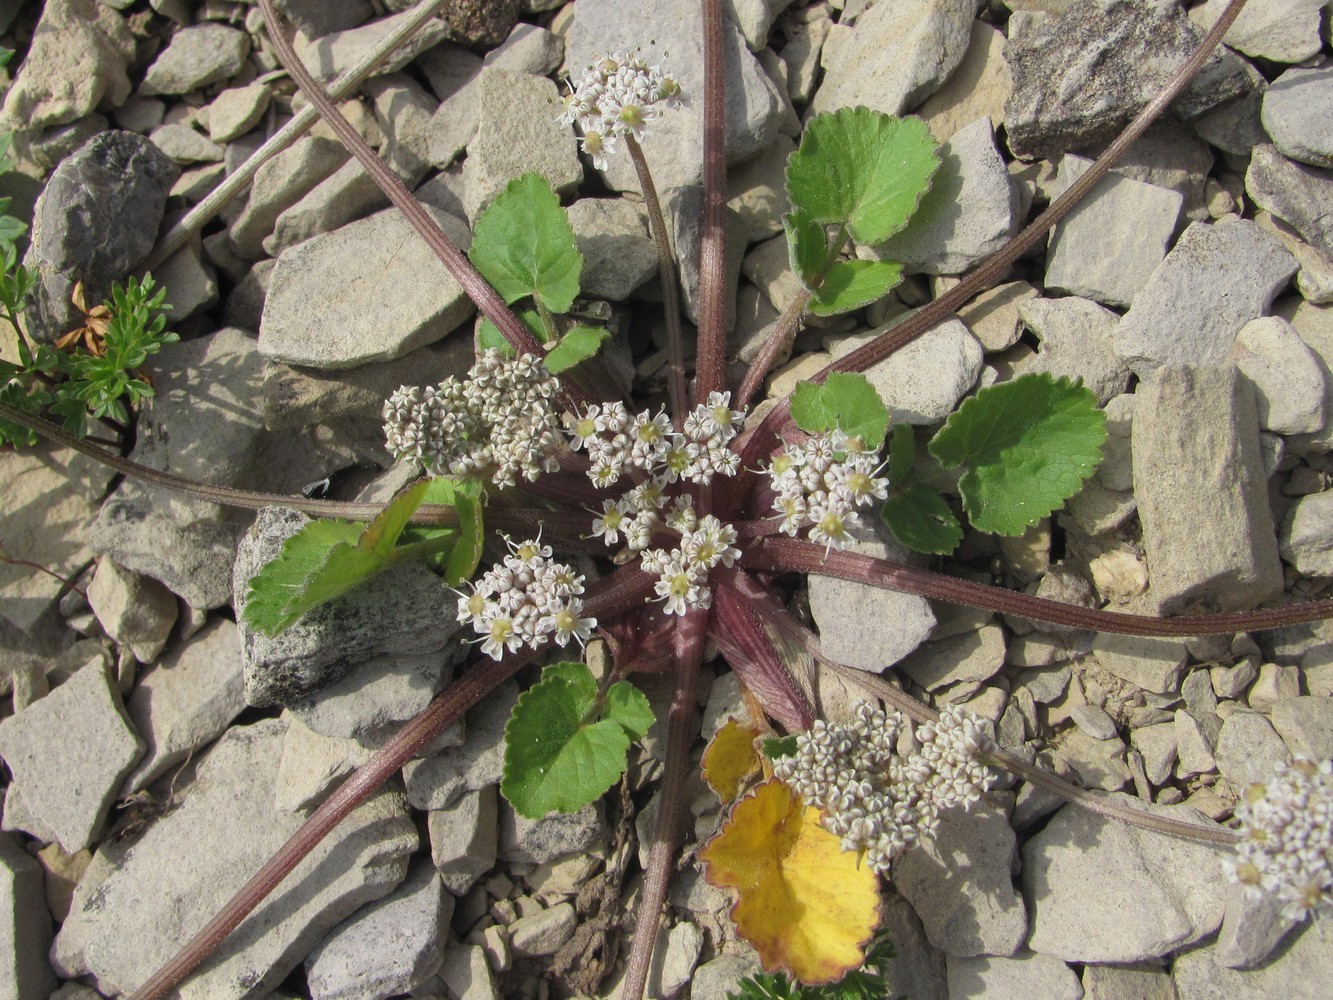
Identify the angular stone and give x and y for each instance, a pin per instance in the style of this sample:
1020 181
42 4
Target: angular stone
218 836
969 212
1201 975
183 145
1251 928
382 691
1297 194
971 656
1248 749
1157 744
1095 763
69 753
463 838
466 973
399 614
76 62
186 700
979 86
685 214
436 781
758 190
1198 473
1306 726
195 57
25 924
311 764
338 51
346 195
895 56
993 316
666 34
136 611
618 256
279 184
236 111
1026 974
1141 981
1083 872
1314 281
1077 340
388 947
535 841
1285 31
1307 535
1298 114
1107 248
1290 388
403 110
543 932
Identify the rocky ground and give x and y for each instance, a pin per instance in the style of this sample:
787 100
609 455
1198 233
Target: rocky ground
156 753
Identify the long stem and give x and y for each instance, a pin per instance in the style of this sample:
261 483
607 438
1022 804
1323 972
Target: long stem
240 178
666 269
682 729
710 363
487 299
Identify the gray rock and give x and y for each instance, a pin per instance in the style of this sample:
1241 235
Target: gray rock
463 838
543 932
518 132
1297 194
666 35
1289 385
222 832
1201 974
1170 155
1157 745
1306 726
346 195
1198 474
314 18
1079 78
1235 127
1285 31
278 185
1083 872
722 976
535 841
387 947
993 316
69 753
1314 281
1307 535
896 56
1110 244
971 656
758 190
436 781
76 62
135 611
1314 324
1216 279
195 57
979 86
236 111
1248 749
969 212
95 221
805 40
618 256
378 693
1095 763
403 110
967 909
338 51
452 73
1026 974
186 700
190 283
684 213
528 49
182 144
140 114
1077 340
1094 721
1251 928
866 627
311 764
357 295
1298 114
466 973
25 924
399 614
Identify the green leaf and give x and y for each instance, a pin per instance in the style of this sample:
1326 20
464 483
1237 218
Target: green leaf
863 169
847 401
284 582
628 706
490 337
464 495
1030 444
921 519
775 748
381 534
555 757
524 245
574 673
807 246
579 344
902 453
11 229
851 284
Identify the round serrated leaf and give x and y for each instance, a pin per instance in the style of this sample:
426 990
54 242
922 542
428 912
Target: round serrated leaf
1029 445
851 284
524 245
862 168
628 706
921 520
845 400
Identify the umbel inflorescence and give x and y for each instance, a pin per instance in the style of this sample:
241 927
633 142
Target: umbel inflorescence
616 97
876 800
1288 845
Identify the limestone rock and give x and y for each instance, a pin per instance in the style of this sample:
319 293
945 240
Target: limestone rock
1307 534
1026 974
195 57
1289 385
978 86
463 837
1294 192
1077 340
25 924
618 256
1285 31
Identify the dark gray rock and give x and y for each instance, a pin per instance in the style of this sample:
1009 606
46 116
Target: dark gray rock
1297 194
403 612
1079 78
536 841
96 221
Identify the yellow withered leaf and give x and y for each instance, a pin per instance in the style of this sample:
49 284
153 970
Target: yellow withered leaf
730 759
805 904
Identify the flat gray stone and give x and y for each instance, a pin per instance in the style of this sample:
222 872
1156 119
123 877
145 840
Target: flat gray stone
1076 340
69 753
543 932
1216 279
1314 281
452 73
1304 962
463 838
518 132
1251 928
387 947
399 613
1306 726
969 212
1248 749
378 693
1199 473
135 611
346 195
1284 31
757 190
25 924
1290 387
280 183
666 35
467 974
536 841
360 294
222 832
896 56
1298 114
436 781
1107 248
338 51
978 86
993 316
971 656
186 700
311 764
1026 974
236 111
1084 872
1307 535
1157 744
1297 194
722 976
618 256
183 145
1079 78
684 213
195 57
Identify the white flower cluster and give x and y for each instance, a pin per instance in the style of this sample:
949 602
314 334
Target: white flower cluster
499 422
876 801
821 483
524 600
615 97
618 442
1288 846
